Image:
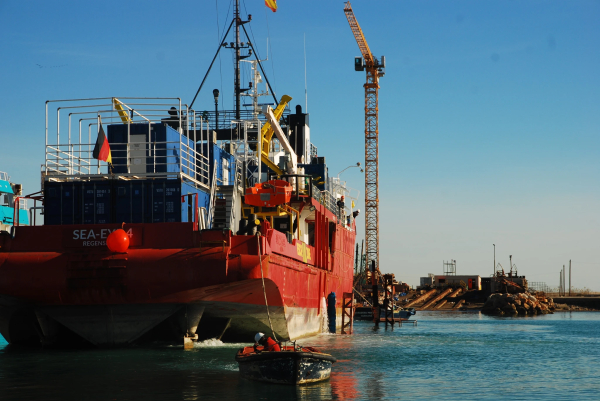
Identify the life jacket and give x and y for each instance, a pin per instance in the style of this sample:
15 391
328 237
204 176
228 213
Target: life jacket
272 345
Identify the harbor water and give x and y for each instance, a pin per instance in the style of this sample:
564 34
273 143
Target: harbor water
449 356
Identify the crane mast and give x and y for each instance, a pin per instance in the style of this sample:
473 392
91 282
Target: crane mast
374 70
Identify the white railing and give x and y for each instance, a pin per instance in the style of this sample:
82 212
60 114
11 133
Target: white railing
69 156
161 158
66 160
3 176
329 201
213 198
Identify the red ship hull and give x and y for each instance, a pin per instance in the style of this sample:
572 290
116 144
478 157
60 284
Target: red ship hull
65 276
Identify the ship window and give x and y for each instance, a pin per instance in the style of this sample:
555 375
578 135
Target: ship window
310 229
331 231
4 200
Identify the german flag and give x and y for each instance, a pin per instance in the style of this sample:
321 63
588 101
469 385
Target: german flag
102 148
272 4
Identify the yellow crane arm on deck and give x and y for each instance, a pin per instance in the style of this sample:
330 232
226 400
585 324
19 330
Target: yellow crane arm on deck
266 134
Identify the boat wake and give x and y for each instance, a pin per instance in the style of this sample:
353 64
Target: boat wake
215 343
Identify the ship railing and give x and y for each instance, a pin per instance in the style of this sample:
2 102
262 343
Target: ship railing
70 154
340 188
316 193
67 161
74 113
157 159
226 116
329 201
3 176
326 199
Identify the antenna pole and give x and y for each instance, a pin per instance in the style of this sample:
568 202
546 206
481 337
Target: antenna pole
237 59
305 89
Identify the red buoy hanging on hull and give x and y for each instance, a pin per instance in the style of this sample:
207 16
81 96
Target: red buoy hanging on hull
118 241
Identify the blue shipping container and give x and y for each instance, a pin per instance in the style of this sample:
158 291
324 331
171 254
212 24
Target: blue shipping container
154 148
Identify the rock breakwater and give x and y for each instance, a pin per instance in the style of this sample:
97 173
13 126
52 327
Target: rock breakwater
517 304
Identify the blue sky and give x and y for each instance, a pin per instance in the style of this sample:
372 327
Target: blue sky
489 110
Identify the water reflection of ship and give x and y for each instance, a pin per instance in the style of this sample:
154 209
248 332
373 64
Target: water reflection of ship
344 385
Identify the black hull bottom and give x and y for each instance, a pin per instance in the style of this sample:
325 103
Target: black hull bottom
124 325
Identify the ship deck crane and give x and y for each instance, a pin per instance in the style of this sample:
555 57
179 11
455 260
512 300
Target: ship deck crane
375 68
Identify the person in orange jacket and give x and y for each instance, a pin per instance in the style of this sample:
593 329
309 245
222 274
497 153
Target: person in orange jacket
267 342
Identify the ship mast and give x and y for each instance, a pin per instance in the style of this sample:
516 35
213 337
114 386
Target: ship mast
238 46
237 59
254 92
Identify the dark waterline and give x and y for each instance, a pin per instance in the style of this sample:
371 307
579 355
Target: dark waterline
449 356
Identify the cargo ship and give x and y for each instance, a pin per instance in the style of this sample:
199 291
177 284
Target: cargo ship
234 225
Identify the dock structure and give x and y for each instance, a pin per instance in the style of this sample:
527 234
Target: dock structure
592 302
446 298
388 301
347 313
401 321
422 298
442 303
458 304
437 299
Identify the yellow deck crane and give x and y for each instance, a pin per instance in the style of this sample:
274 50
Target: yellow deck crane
375 69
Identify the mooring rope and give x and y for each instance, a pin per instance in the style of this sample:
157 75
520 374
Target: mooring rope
262 277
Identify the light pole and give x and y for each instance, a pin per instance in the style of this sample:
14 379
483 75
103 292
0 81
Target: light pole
494 269
216 95
357 165
338 184
339 188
